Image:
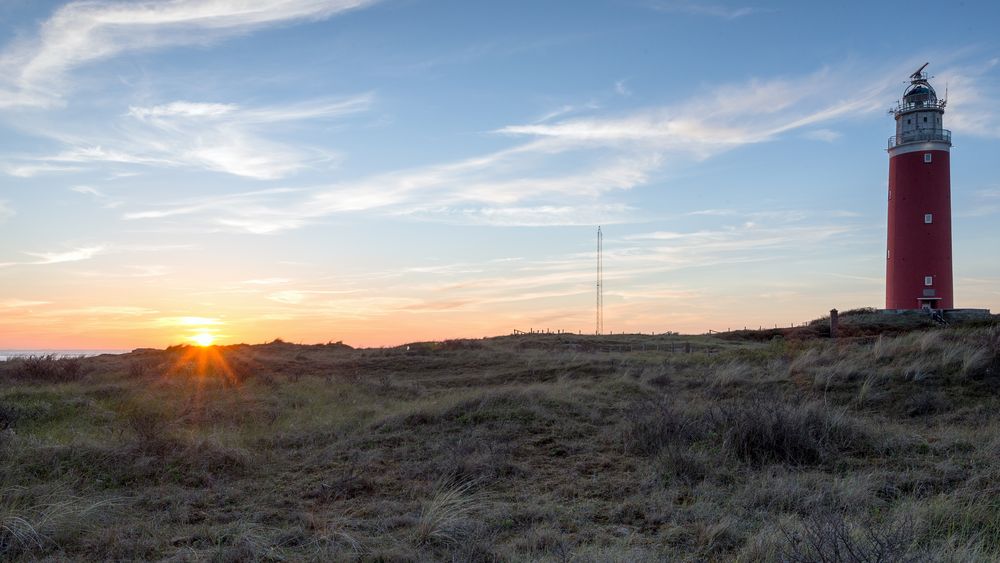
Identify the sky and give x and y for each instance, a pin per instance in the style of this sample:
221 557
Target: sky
379 172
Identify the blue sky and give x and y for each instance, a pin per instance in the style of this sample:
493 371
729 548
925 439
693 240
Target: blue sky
378 172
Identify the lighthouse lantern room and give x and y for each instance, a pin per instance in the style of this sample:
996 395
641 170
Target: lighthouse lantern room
918 256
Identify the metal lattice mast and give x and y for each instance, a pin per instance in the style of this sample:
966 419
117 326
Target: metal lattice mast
600 282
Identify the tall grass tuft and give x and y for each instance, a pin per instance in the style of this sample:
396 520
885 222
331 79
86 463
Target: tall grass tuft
445 517
30 527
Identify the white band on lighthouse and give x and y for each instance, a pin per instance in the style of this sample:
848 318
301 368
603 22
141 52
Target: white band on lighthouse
920 147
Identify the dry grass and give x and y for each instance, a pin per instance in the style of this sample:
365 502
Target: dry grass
529 448
445 517
30 525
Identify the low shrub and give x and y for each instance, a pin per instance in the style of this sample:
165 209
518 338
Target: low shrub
652 425
149 426
8 415
49 368
760 432
757 431
827 537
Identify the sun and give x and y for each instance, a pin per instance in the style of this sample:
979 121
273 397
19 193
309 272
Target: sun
203 339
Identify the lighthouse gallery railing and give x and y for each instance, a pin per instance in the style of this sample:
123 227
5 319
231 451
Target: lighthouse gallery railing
920 135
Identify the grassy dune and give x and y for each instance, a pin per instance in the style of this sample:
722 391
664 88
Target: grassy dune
537 447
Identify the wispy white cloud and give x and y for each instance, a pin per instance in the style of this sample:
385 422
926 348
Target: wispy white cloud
98 195
971 98
635 266
220 137
82 253
746 237
88 190
33 168
480 190
297 296
20 303
566 109
825 135
266 281
117 310
730 116
699 8
75 255
130 271
290 297
209 204
35 69
531 216
540 181
710 212
314 109
181 109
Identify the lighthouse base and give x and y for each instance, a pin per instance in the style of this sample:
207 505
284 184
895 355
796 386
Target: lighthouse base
946 314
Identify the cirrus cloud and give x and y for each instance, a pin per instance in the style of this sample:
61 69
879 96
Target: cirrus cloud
35 69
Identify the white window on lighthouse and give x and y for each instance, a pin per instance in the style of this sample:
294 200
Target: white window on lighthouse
928 218
928 280
927 157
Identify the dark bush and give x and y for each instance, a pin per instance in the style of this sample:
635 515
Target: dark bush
763 431
143 367
8 415
652 425
49 368
826 537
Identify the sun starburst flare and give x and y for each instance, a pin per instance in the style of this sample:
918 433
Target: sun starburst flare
203 339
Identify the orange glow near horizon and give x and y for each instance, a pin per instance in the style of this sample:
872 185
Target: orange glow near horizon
103 320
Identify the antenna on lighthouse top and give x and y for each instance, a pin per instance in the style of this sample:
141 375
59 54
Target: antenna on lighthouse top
920 72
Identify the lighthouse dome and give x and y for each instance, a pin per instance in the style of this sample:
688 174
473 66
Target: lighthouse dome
920 92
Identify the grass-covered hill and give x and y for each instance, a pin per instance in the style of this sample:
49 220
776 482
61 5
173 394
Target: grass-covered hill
537 447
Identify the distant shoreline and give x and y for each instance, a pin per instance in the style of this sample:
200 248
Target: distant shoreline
63 353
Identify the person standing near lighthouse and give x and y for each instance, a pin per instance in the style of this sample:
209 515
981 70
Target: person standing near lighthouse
918 254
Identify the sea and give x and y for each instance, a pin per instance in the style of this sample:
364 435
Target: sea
8 354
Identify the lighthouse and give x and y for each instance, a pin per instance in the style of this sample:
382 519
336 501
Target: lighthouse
918 254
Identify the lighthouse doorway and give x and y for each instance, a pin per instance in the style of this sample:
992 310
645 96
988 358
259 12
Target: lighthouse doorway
928 303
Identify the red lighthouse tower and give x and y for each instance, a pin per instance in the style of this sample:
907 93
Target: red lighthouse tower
918 259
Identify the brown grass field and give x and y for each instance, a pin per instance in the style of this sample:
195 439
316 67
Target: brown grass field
757 446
